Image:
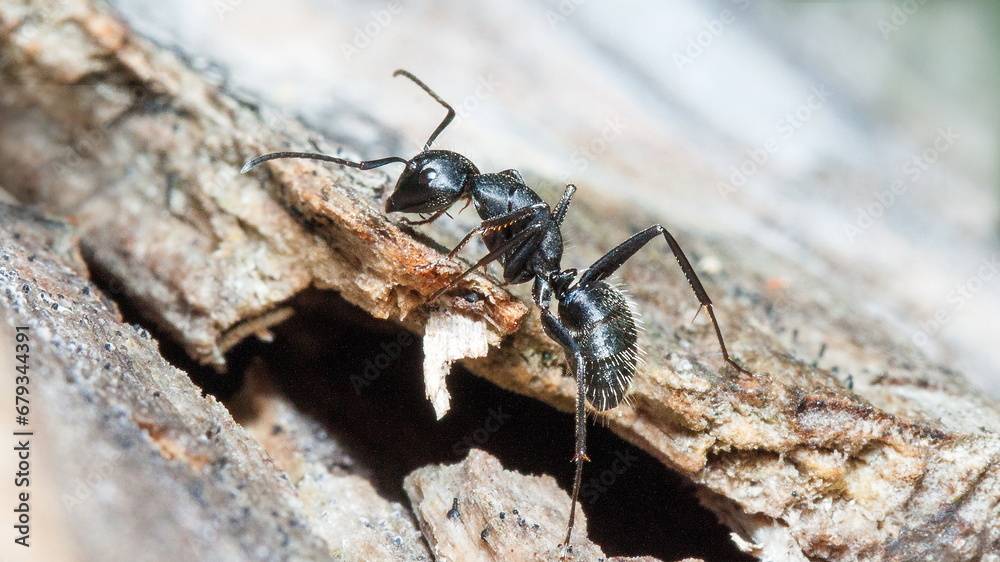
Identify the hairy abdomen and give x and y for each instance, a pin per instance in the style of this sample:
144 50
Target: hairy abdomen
603 325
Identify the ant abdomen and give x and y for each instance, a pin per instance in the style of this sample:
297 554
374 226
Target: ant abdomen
602 323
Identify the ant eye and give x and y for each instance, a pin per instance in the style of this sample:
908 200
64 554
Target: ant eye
427 176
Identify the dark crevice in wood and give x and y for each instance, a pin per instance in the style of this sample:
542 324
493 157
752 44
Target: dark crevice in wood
319 357
209 379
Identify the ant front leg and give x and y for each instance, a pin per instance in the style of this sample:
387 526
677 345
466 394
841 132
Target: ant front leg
555 330
518 239
428 220
559 213
487 226
614 259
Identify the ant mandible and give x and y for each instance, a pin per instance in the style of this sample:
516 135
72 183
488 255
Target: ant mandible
596 326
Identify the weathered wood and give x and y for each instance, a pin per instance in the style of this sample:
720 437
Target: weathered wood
140 463
475 510
146 155
901 464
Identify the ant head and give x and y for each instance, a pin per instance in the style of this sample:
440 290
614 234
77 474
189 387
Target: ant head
432 181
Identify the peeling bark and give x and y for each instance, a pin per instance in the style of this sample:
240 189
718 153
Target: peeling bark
475 510
142 463
146 156
143 153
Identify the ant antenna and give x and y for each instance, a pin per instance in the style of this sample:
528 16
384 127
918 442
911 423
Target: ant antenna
447 119
367 164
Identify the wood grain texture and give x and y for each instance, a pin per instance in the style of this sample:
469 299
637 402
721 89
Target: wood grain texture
899 461
146 155
145 466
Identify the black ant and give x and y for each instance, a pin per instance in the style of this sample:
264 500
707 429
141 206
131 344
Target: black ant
596 326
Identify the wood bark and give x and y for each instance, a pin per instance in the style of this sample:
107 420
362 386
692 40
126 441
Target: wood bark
900 461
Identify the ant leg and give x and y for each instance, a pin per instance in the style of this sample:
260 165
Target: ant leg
498 223
555 330
447 119
560 211
614 259
487 226
518 239
541 292
432 218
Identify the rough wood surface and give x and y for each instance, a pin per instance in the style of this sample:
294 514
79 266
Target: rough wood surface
899 461
145 155
475 510
127 438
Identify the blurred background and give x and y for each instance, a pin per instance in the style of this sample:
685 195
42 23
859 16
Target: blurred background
858 139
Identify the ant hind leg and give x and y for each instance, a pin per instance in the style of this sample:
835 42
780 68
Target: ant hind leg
611 261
